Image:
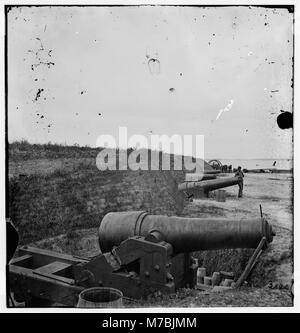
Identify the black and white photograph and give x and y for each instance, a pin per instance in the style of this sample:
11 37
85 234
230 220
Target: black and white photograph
149 156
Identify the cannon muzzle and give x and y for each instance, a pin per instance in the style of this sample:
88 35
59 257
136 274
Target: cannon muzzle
184 234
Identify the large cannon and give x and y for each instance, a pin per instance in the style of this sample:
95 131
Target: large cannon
184 234
141 254
203 187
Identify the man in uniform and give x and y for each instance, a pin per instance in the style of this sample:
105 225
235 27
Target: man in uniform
240 175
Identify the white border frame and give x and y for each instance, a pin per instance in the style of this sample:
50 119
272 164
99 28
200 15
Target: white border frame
296 307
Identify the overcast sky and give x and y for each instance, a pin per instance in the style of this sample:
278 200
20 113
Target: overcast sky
75 73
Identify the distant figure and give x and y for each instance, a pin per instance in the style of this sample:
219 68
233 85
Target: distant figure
230 168
224 168
274 163
12 239
240 175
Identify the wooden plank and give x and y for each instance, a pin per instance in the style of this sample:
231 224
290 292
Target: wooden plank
44 287
30 273
55 277
54 267
43 257
251 263
22 260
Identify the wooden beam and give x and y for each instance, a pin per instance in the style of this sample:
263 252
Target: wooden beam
251 263
26 259
43 257
54 267
51 287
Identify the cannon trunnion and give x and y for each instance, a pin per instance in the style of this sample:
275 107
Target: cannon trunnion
141 254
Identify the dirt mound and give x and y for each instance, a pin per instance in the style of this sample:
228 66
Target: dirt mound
274 268
82 243
42 206
244 297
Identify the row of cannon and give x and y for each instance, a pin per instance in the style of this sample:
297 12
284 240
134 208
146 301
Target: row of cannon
206 182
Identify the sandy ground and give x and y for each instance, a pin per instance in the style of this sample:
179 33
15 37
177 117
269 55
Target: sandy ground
274 193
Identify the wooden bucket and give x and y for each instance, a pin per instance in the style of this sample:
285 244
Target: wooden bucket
221 195
100 297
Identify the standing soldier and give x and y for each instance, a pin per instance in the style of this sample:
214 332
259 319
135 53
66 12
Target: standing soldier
240 175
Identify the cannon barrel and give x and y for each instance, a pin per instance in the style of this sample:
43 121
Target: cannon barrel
184 234
210 185
196 177
211 172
